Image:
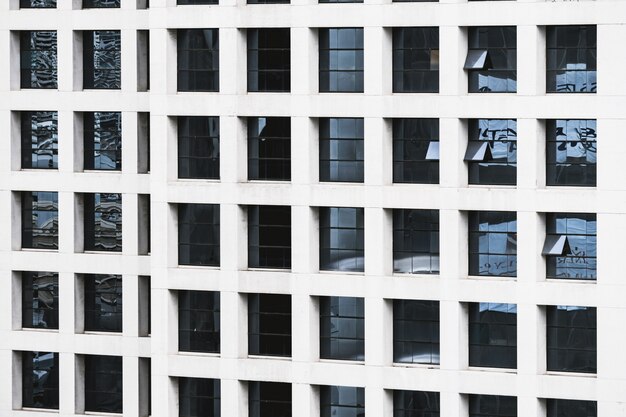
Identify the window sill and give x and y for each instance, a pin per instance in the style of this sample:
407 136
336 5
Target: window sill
501 186
100 333
417 275
213 267
101 252
275 270
204 354
280 182
416 365
39 410
38 250
341 361
266 357
35 329
572 281
491 278
99 413
327 272
574 374
37 170
485 369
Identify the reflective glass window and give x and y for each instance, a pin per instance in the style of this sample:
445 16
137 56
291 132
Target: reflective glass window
416 151
571 59
269 148
198 147
492 151
571 339
342 328
415 403
269 399
269 237
269 60
338 401
492 406
40 220
38 63
198 59
571 408
493 335
101 4
103 141
199 321
103 384
39 139
416 60
103 222
103 303
40 380
102 59
416 241
493 243
342 239
416 331
341 60
190 2
38 4
199 234
199 397
496 72
341 150
40 300
269 324
578 258
571 152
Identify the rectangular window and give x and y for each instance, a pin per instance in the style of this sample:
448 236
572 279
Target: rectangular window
101 4
198 58
199 396
269 237
492 59
268 1
38 59
416 60
198 147
38 4
39 139
492 151
492 406
571 59
493 335
342 328
103 141
102 59
493 243
416 151
103 222
341 60
190 2
40 220
571 339
40 380
269 324
415 241
570 246
269 148
571 408
103 303
269 399
103 384
416 331
415 403
199 234
342 246
269 60
571 152
40 300
199 321
342 401
341 150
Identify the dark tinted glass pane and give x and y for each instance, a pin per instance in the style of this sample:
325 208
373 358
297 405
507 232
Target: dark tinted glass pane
571 339
493 243
341 60
101 4
580 259
103 303
103 383
103 141
416 241
342 239
571 152
269 60
269 148
40 220
342 328
40 300
341 150
499 165
416 331
492 406
269 324
493 335
416 151
269 237
38 60
338 401
571 408
186 2
199 321
40 380
198 147
499 74
102 62
103 222
39 133
198 59
269 399
199 234
199 397
571 59
415 404
38 4
416 60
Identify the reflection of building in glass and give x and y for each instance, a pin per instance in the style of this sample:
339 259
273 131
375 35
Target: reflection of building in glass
40 300
39 139
40 220
38 62
103 141
103 222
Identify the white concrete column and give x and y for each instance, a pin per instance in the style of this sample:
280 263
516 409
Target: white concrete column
130 309
452 143
452 53
531 60
130 224
610 60
377 56
130 386
531 154
304 58
233 149
378 151
67 380
233 55
611 153
129 142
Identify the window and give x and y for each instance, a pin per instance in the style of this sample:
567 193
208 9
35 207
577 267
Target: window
421 1
342 401
492 406
269 60
103 222
269 399
199 234
268 1
103 303
269 237
185 2
342 328
492 151
199 321
416 151
571 339
198 147
39 137
571 59
341 150
101 4
342 239
199 397
572 152
492 59
571 408
416 60
416 241
570 246
341 60
40 380
269 148
103 141
38 58
493 243
103 384
198 58
38 4
416 331
415 403
40 220
102 59
269 324
40 300
493 335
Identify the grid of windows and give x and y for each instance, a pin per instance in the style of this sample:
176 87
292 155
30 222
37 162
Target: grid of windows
199 234
198 58
571 59
493 243
492 151
40 380
493 335
103 222
342 237
38 61
341 60
342 328
416 60
103 383
269 148
341 150
269 60
269 237
416 151
269 324
571 152
198 147
103 141
571 339
103 303
416 331
102 59
40 300
199 321
415 403
416 241
199 397
492 59
570 246
39 139
40 220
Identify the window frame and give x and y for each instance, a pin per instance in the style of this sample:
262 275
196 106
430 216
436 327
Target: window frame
34 237
190 147
480 158
348 131
189 226
47 138
325 49
402 322
260 50
183 47
330 399
416 138
265 323
263 395
263 160
91 79
573 334
32 374
552 50
96 126
586 140
95 289
96 211
399 66
211 312
356 320
566 244
109 368
330 250
207 390
407 232
264 248
479 63
30 287
29 47
490 224
481 353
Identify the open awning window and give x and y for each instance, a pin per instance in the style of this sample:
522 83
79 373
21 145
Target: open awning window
556 245
477 59
432 154
478 152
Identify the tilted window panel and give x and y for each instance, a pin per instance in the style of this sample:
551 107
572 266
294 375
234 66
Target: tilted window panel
269 148
38 59
342 234
102 59
199 234
492 406
269 60
269 237
416 60
416 151
493 243
198 59
416 331
269 399
492 59
492 151
571 246
40 300
341 60
571 408
38 4
39 139
415 403
493 335
103 384
341 150
572 339
198 147
342 401
199 397
40 220
571 61
103 141
416 241
103 222
199 321
571 152
40 380
103 303
342 328
269 324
